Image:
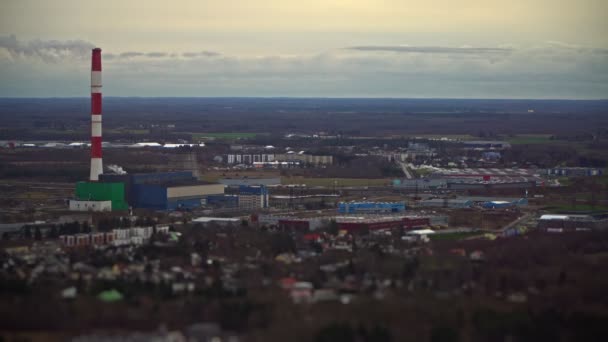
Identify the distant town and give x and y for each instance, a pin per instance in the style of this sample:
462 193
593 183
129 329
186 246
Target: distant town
266 236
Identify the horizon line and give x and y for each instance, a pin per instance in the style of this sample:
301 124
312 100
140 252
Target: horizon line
313 97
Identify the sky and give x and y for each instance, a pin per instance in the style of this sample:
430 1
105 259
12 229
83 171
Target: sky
314 48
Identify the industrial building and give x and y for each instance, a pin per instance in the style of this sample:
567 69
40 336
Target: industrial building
289 201
251 197
502 204
446 203
174 195
289 157
241 197
472 185
88 192
164 190
370 207
574 171
305 158
572 222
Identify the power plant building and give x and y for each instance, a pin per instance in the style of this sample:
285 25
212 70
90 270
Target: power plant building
93 191
173 196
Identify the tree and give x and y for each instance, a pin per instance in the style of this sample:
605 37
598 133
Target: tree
336 332
53 233
444 333
37 234
333 227
85 228
27 232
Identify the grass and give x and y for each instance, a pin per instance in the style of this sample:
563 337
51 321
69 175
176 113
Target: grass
449 136
129 131
214 176
338 182
438 236
531 139
226 135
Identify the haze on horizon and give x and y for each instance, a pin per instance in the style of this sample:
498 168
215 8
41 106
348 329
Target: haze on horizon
321 48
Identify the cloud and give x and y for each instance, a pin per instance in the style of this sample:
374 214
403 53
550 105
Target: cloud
53 51
200 54
131 54
539 71
156 54
429 49
46 50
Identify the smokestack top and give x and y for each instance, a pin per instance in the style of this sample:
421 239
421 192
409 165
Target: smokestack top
96 60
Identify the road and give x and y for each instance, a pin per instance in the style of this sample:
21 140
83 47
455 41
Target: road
407 173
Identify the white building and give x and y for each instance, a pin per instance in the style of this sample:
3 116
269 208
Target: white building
78 205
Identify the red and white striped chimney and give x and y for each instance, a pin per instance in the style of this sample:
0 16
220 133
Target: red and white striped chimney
96 161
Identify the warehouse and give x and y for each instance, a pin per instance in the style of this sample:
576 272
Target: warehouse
574 171
445 203
163 190
370 207
472 185
145 178
173 195
502 204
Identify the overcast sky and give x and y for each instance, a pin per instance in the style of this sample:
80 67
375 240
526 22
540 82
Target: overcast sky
329 48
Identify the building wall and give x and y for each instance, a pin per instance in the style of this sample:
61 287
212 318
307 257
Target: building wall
362 207
489 186
78 205
195 190
184 203
150 196
114 192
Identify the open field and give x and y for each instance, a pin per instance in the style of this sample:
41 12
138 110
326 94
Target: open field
463 137
338 182
438 236
214 176
129 131
529 139
227 136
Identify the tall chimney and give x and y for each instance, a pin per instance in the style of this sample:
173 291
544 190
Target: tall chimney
96 161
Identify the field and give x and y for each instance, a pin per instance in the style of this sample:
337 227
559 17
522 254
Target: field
337 182
438 236
530 139
214 176
226 136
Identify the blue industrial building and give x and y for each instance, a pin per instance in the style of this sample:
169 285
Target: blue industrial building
370 207
222 201
165 190
505 204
